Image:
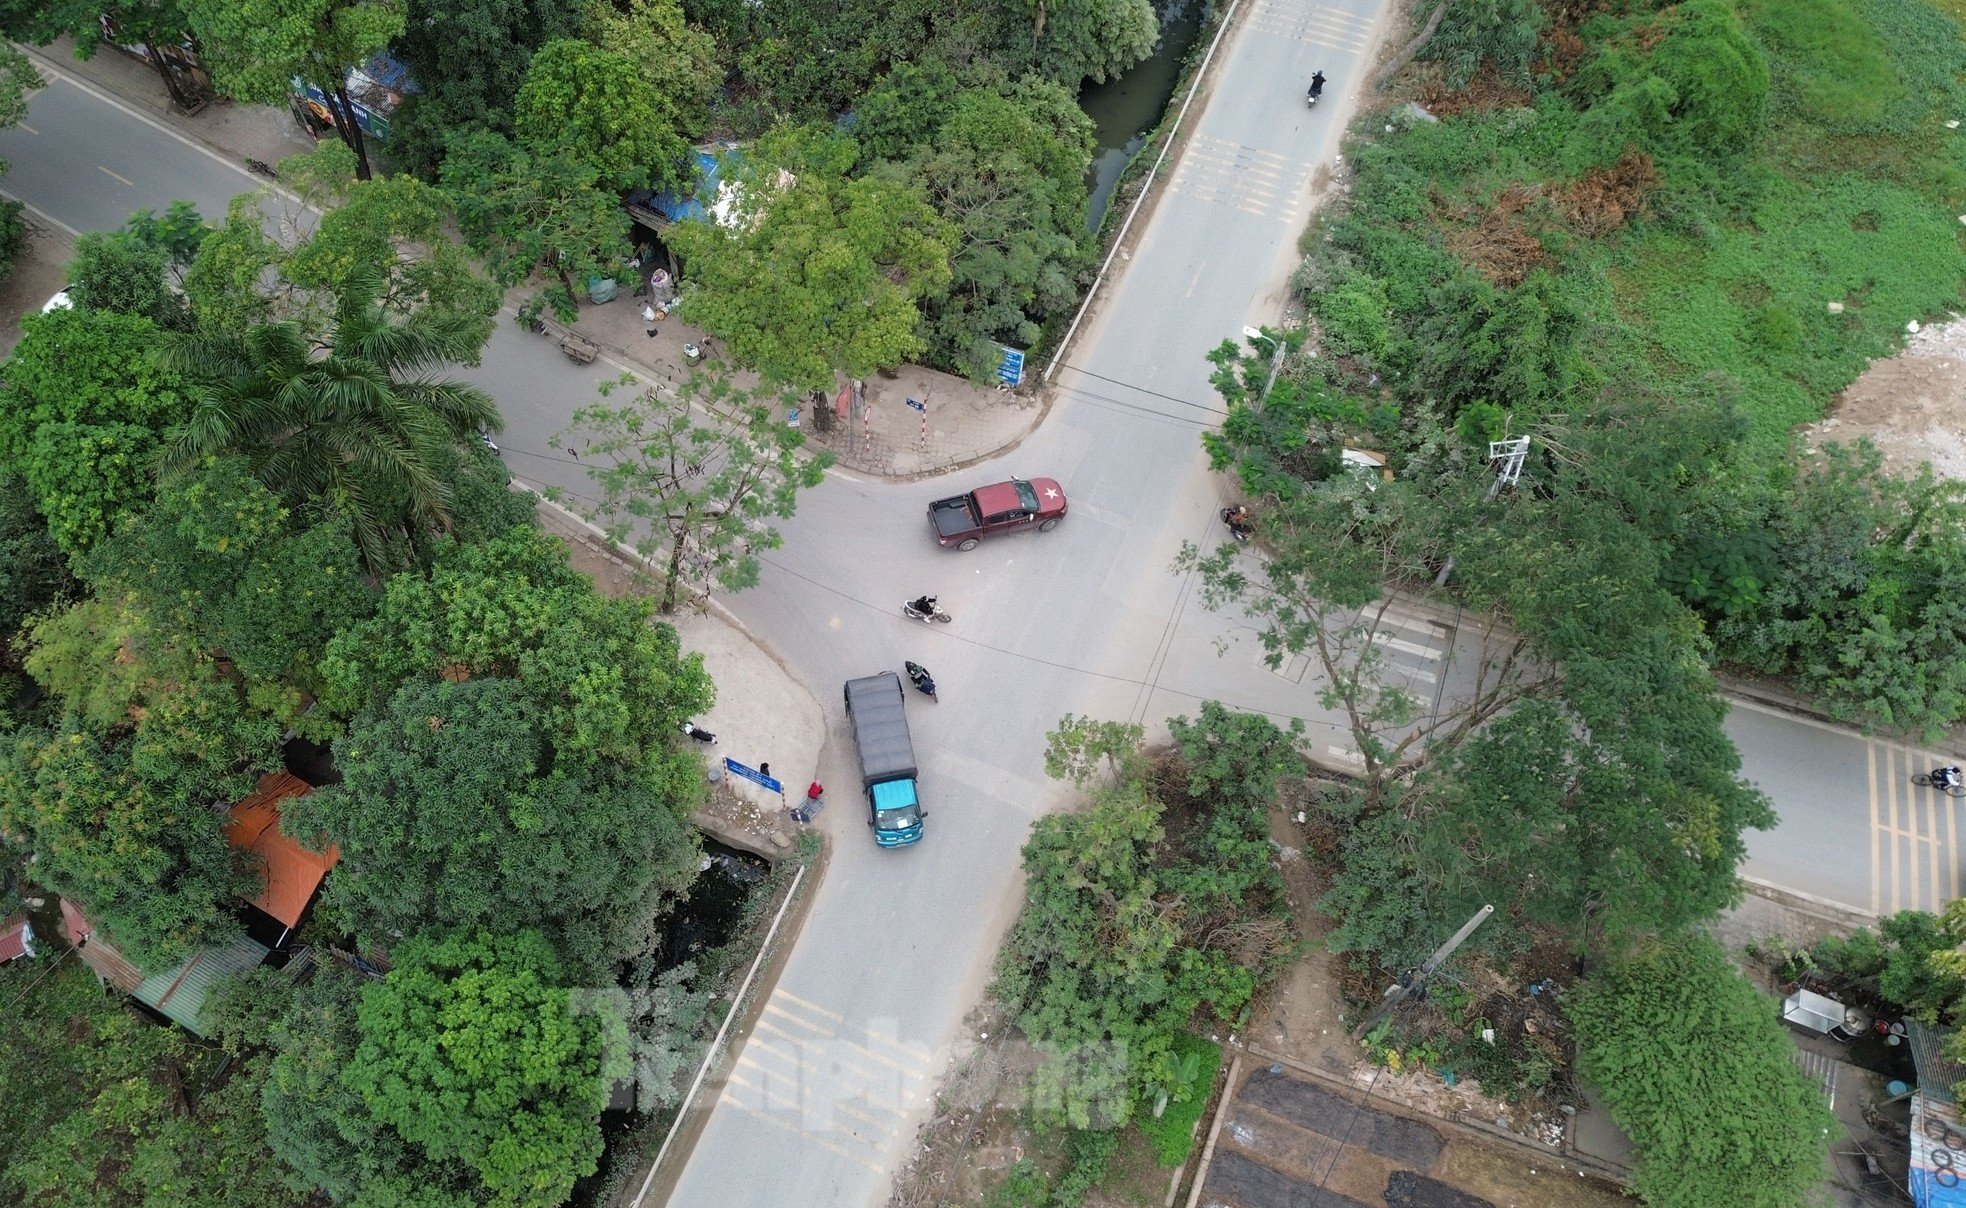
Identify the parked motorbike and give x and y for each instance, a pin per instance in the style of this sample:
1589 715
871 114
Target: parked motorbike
924 683
933 612
1236 517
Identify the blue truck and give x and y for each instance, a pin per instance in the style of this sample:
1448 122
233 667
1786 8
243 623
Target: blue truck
878 712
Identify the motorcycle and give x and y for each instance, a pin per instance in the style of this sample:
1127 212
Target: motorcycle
924 683
935 613
1237 518
1317 89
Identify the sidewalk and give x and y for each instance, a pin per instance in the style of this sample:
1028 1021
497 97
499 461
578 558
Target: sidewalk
964 422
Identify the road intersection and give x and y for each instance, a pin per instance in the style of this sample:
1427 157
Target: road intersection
821 1102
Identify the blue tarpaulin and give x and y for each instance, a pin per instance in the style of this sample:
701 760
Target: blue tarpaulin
680 207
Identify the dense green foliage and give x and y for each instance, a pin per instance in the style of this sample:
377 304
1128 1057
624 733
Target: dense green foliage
523 210
468 58
600 108
82 411
1734 209
1129 928
580 850
360 424
148 859
514 1090
826 273
1694 1066
104 1107
137 270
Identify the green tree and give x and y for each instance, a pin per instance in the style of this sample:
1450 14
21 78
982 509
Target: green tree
1687 82
679 487
679 61
1007 168
468 58
220 558
821 274
81 412
356 424
106 1107
1126 935
149 860
606 683
515 1090
137 270
1505 33
387 241
1858 596
522 210
1076 40
600 107
318 1123
255 48
153 22
459 813
33 572
1695 1068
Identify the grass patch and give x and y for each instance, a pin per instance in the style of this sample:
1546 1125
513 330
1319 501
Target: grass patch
1173 1134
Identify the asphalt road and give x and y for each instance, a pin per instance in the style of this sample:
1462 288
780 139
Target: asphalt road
823 1100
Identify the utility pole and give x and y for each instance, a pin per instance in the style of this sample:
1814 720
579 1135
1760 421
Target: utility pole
1415 982
1510 454
1276 356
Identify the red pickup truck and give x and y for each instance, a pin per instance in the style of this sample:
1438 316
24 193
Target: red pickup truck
963 520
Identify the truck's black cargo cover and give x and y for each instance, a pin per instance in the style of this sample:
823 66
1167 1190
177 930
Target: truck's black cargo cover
880 728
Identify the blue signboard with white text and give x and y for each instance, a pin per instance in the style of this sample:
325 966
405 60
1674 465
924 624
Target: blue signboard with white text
752 774
1010 370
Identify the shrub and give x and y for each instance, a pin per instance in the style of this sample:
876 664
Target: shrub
1695 1067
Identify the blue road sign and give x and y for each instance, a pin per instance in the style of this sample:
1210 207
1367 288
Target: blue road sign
752 774
1010 370
918 405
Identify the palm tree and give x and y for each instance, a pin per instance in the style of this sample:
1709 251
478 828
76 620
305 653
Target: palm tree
353 420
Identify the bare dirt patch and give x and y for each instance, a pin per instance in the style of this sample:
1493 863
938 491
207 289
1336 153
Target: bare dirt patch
1912 406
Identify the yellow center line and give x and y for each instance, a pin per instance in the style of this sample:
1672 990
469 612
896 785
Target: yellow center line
106 172
26 127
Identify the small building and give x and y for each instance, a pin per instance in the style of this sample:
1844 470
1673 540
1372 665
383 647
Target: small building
16 939
1938 1137
291 872
178 993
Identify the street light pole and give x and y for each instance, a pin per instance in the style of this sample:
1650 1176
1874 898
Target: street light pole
1416 981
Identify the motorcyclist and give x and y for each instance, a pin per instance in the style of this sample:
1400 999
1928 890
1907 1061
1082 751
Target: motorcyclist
1317 85
924 605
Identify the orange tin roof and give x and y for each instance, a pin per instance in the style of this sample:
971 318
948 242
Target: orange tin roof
292 872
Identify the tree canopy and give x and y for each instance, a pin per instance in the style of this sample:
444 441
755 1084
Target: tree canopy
672 483
601 107
1694 1065
824 274
515 1090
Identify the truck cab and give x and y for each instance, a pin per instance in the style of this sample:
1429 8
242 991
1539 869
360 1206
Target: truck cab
878 713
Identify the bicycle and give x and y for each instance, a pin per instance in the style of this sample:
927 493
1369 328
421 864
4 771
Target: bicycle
1924 781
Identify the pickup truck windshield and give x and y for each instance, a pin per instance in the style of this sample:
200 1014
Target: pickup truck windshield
1026 497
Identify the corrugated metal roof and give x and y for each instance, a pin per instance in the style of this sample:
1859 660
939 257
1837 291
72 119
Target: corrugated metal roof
96 952
181 993
1938 1074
